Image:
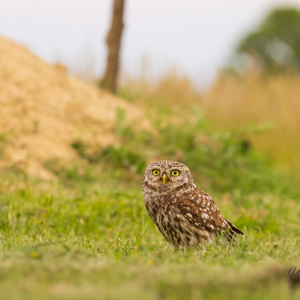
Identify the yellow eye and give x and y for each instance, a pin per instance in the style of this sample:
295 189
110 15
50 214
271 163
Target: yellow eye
155 172
175 173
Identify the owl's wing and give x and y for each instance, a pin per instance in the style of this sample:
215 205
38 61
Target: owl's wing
202 212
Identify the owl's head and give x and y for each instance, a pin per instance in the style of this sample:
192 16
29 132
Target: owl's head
167 176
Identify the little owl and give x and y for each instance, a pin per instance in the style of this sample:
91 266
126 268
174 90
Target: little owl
185 215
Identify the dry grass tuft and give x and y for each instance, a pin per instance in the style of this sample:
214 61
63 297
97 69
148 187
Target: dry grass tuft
257 104
173 91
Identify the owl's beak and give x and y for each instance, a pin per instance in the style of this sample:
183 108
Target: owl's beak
164 178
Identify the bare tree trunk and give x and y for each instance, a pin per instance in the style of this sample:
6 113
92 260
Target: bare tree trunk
113 41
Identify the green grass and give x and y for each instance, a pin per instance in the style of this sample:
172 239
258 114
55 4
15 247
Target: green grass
87 235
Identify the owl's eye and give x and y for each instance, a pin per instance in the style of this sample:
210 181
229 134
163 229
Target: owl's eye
155 172
175 173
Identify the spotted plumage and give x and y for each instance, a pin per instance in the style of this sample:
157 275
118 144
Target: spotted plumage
185 215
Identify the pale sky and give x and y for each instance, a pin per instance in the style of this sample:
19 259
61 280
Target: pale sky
195 36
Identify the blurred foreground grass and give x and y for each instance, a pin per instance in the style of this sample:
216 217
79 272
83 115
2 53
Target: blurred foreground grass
87 234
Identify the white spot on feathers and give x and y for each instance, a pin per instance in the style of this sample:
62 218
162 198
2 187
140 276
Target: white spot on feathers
205 216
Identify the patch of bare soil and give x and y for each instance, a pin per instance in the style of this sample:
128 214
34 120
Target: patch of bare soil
43 110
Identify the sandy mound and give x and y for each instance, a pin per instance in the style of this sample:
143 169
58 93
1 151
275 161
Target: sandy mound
43 110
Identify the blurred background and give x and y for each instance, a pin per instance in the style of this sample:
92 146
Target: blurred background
237 62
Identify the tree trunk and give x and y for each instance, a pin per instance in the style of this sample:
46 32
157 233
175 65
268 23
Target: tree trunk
113 41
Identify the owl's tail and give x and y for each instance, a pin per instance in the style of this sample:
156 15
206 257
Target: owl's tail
234 229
